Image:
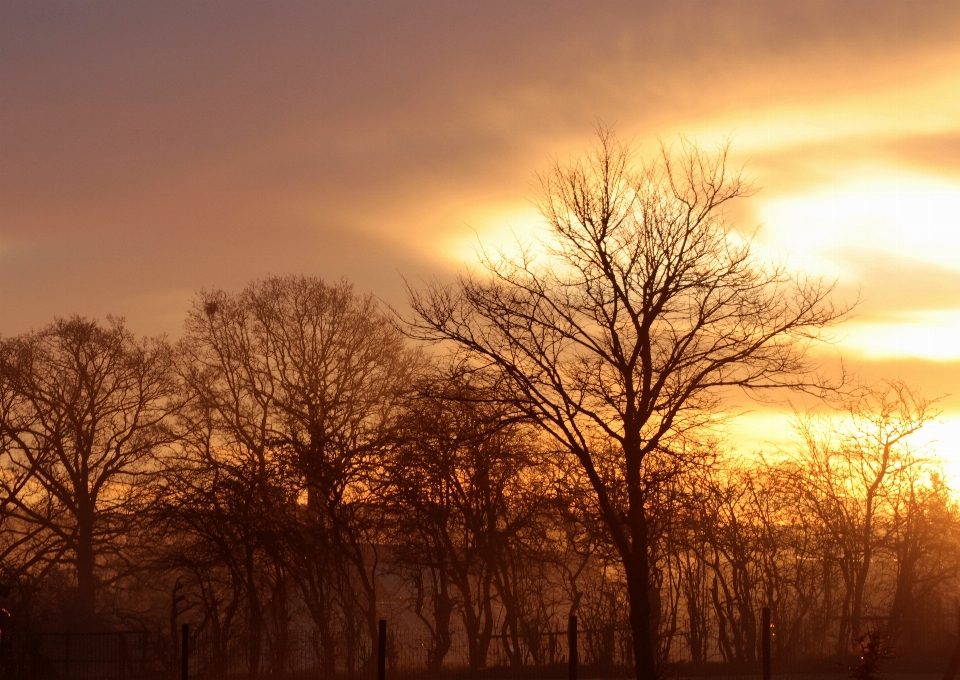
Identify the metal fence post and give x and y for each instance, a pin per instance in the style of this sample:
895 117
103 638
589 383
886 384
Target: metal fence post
382 650
765 642
185 652
122 640
572 652
143 652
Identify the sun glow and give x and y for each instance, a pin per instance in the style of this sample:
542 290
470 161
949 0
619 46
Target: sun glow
909 215
770 433
922 334
881 212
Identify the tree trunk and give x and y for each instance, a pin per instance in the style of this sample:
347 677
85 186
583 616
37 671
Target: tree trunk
471 622
636 557
255 623
442 613
638 589
86 602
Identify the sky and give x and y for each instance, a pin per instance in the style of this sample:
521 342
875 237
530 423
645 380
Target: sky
152 149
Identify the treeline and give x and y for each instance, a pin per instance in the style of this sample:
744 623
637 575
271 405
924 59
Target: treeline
531 441
294 462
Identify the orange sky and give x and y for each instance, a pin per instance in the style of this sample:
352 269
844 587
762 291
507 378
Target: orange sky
151 149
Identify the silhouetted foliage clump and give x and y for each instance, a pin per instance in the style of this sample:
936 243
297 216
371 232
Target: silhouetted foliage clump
875 650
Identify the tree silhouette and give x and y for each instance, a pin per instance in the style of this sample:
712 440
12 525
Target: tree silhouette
83 412
642 305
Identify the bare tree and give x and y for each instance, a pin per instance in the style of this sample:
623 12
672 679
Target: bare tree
923 545
848 476
465 488
725 537
224 507
643 306
310 371
83 413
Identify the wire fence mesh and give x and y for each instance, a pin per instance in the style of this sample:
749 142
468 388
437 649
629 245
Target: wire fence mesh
298 654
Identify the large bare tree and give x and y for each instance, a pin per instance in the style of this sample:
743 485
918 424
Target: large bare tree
626 325
83 412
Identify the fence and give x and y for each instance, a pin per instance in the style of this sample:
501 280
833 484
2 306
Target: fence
124 655
397 654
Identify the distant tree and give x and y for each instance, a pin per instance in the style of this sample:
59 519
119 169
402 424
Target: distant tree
850 475
464 490
725 534
643 306
788 557
296 368
925 543
223 509
84 412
